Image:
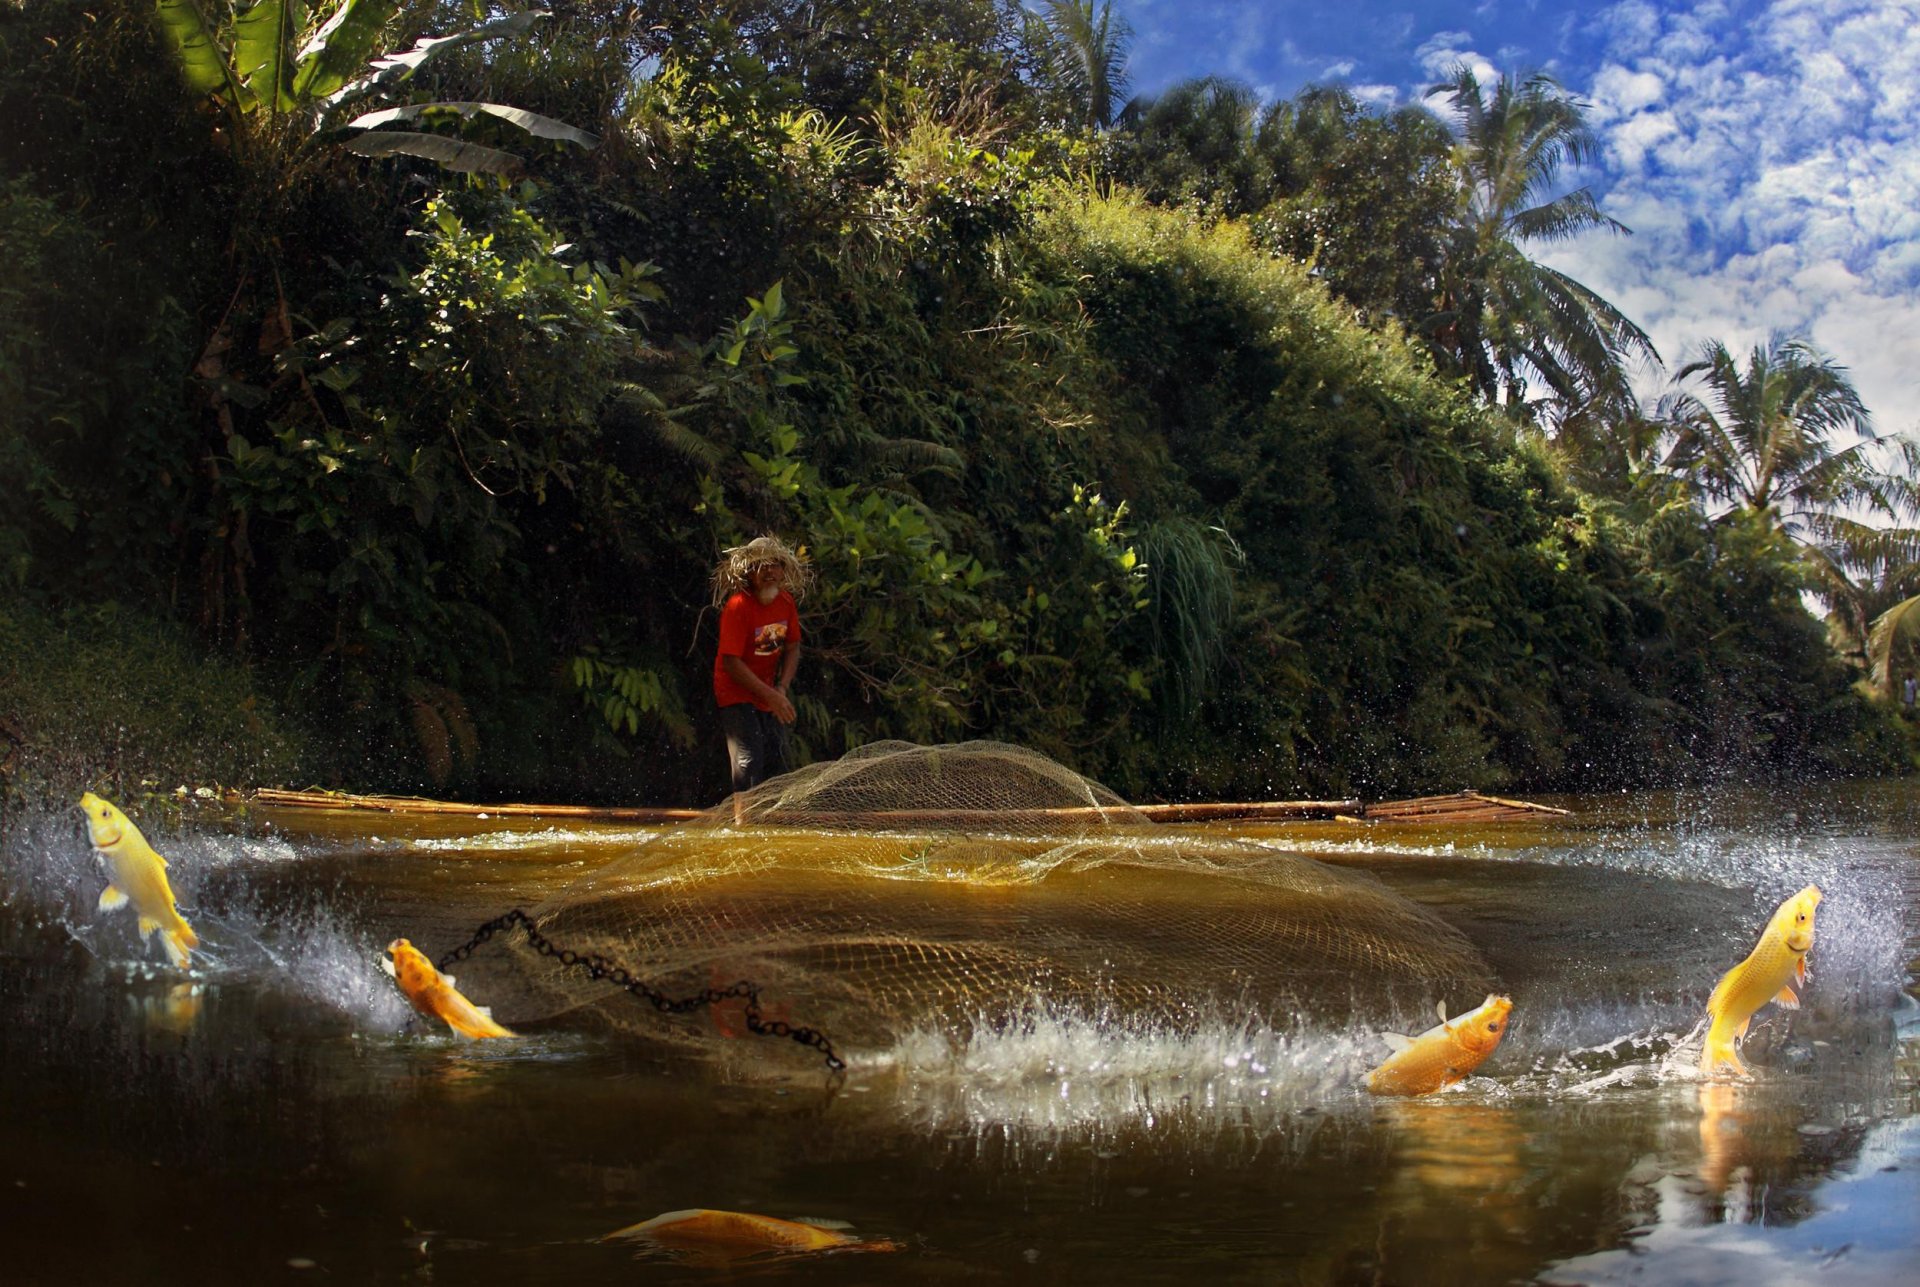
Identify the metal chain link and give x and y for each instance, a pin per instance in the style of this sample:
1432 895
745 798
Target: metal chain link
598 967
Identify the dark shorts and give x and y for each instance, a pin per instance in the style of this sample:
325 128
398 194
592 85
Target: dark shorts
756 744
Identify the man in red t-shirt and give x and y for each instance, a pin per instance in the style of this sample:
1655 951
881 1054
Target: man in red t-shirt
757 586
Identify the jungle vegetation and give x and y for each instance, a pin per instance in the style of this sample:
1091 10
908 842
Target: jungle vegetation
414 359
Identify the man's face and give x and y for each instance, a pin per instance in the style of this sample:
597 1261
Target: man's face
766 581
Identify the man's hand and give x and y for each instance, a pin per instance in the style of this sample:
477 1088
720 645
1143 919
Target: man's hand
783 706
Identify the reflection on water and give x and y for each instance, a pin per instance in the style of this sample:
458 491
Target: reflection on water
277 1108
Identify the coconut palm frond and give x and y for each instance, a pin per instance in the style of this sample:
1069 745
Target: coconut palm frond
1897 627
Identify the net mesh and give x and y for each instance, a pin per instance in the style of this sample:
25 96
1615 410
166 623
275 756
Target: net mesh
905 888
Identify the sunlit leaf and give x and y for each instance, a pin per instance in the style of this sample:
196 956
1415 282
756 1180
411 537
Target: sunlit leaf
455 154
202 63
539 126
340 49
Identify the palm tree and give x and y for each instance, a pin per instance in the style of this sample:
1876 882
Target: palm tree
1503 320
1862 576
1083 52
1762 438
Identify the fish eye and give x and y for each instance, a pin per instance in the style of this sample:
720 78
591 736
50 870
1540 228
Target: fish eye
1494 1026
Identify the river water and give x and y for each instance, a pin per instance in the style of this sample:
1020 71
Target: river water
277 1115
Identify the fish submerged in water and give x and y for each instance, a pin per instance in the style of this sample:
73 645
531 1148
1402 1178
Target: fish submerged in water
137 875
738 1234
1441 1056
433 994
1777 962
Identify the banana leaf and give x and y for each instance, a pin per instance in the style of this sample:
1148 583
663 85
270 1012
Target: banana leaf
455 154
543 127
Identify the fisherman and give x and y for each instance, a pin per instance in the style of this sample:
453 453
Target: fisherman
757 587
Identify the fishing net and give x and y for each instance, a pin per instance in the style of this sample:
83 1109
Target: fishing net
906 888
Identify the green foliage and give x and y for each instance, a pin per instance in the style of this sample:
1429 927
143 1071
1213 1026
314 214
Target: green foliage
1362 197
1194 145
106 697
1139 487
628 696
401 452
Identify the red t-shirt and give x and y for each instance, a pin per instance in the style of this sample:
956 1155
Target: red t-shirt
757 633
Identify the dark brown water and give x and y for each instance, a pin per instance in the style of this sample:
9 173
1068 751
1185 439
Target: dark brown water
276 1117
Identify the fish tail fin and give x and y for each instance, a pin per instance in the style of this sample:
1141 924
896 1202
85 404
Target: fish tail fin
1719 1054
184 932
177 942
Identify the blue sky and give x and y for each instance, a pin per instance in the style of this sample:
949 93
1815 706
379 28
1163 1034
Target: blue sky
1765 153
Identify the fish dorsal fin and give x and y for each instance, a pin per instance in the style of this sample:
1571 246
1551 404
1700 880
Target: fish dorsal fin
1787 999
387 965
485 1011
1441 1010
112 898
447 979
1397 1041
822 1222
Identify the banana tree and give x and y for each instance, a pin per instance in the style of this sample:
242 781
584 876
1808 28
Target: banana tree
290 84
274 66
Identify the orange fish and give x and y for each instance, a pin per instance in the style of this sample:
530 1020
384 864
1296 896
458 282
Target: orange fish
1777 962
1441 1056
738 1234
434 995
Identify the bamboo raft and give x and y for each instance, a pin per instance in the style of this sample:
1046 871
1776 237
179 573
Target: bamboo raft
1460 807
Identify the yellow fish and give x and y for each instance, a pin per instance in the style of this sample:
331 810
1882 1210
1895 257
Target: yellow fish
1441 1056
737 1233
137 875
1776 963
434 995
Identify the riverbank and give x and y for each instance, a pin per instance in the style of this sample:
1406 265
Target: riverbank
113 700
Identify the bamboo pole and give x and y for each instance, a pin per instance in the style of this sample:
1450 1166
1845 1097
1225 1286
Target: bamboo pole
340 801
1465 806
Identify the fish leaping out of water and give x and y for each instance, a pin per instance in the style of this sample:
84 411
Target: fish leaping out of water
137 875
433 994
736 1234
1441 1056
1777 962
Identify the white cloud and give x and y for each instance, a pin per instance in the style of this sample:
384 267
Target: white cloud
1377 95
1618 92
1441 52
1769 162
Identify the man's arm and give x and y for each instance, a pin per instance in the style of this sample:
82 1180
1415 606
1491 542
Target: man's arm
789 664
775 698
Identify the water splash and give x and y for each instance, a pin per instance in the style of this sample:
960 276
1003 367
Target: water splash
1059 1072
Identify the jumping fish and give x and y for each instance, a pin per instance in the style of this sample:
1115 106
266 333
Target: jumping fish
1441 1056
737 1233
137 875
433 994
1769 973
